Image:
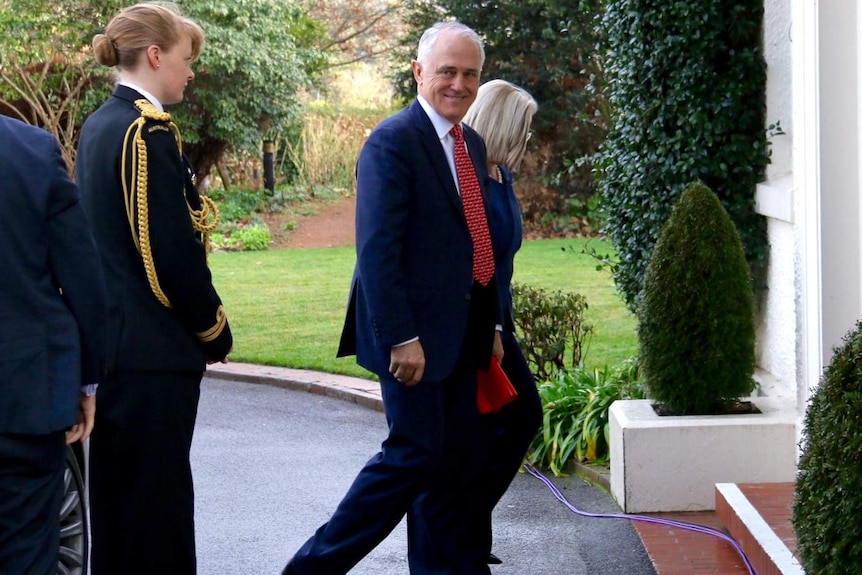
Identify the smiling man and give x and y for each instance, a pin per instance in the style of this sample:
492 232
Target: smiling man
422 313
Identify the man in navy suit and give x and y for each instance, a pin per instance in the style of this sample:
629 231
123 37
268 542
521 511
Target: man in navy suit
419 320
52 313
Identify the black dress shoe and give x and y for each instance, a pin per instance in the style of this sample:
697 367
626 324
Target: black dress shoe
289 569
492 559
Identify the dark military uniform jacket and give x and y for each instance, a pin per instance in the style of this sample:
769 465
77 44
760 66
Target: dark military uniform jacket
149 223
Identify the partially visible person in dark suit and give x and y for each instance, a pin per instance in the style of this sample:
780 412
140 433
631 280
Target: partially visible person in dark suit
165 319
502 115
52 321
422 315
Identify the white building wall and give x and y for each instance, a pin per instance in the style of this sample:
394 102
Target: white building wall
812 192
777 35
777 321
777 304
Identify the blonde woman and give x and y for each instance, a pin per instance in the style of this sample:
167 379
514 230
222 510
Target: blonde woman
166 320
502 114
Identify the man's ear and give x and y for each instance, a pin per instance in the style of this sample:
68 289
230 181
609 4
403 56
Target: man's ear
417 71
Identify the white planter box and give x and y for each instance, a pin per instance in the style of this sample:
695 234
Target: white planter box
672 463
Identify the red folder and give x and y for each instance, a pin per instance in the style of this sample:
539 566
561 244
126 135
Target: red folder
494 390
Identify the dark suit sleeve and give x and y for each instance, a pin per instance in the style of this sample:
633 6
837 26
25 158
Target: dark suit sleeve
178 254
384 177
76 267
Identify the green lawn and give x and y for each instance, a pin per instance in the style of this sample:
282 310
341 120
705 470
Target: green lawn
286 307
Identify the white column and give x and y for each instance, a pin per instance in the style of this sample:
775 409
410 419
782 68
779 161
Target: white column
841 287
806 159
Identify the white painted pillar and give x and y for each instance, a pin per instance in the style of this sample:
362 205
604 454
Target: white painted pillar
839 91
806 176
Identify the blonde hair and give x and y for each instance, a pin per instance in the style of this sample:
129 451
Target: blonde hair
502 114
137 27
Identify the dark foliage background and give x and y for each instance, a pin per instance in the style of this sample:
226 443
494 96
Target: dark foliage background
550 49
687 102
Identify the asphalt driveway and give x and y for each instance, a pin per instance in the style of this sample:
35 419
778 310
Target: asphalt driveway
271 464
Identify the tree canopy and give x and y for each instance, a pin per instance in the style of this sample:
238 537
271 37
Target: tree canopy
548 48
258 55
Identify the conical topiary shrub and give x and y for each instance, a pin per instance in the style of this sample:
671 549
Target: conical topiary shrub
696 312
827 509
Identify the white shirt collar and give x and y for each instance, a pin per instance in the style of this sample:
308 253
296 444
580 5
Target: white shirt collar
153 100
441 125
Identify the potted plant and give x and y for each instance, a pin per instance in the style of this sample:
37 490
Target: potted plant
696 311
696 335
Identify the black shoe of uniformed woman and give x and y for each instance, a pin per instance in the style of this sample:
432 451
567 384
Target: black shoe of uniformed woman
493 559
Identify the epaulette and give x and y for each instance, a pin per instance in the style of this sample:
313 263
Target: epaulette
150 112
135 189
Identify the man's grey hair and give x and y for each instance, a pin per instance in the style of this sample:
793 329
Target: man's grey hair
429 38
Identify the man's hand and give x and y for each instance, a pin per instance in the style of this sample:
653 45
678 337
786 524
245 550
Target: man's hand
86 418
407 362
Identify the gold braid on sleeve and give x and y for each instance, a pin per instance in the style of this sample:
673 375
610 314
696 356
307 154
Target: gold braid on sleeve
217 328
203 220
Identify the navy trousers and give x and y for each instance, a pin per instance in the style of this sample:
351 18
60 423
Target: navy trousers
141 492
31 492
508 434
434 448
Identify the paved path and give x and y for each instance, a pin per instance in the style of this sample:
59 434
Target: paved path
272 461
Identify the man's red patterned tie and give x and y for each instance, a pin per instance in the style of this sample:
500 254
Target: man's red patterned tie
474 210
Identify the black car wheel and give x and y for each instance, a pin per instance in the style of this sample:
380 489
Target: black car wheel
74 532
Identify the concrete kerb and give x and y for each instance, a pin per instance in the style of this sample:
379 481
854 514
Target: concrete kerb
364 392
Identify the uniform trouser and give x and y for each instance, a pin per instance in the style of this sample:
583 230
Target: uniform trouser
433 447
141 492
31 492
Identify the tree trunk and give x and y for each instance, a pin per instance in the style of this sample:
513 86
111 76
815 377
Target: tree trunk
222 173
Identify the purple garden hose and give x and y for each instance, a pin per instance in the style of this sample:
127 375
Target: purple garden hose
643 518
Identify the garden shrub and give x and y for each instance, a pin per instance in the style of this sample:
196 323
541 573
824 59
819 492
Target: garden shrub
575 423
550 327
827 508
252 238
696 315
687 102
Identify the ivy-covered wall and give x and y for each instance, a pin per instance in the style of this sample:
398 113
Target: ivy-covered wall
687 101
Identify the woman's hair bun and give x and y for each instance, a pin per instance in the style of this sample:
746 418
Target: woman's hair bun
104 50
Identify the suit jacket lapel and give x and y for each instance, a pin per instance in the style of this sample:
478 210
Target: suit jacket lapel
431 142
435 153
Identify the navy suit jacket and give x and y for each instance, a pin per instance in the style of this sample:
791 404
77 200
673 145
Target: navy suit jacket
52 294
143 334
414 267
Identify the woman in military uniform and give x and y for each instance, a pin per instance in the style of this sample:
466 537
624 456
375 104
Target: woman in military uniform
166 321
